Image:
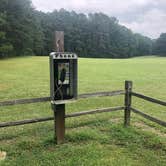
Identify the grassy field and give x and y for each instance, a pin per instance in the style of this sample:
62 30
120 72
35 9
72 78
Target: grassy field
91 140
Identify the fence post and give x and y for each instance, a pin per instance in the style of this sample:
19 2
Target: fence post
59 109
59 123
127 110
59 41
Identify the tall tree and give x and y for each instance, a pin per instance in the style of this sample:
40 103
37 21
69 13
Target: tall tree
23 30
144 45
26 31
5 45
160 45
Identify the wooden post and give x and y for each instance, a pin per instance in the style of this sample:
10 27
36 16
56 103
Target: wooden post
59 109
59 41
59 123
127 111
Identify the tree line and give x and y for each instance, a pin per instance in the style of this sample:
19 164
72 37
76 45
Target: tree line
26 31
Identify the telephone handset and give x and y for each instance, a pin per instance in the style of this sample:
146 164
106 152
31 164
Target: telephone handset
63 73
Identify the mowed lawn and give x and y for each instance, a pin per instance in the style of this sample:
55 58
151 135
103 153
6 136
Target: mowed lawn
90 140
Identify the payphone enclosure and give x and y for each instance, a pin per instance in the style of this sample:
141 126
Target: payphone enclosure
63 76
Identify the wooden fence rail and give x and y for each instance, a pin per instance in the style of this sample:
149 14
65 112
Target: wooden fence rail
163 103
29 121
46 99
128 94
160 122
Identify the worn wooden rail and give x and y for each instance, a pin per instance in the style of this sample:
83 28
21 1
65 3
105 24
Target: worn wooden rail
24 101
46 99
127 106
28 121
147 98
160 122
150 99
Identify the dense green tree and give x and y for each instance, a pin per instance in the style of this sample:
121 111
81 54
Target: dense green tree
21 26
160 45
23 29
144 45
5 46
26 31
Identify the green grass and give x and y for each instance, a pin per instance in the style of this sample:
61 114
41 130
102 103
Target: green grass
97 139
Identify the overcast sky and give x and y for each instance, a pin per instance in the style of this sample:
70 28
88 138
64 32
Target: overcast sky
147 17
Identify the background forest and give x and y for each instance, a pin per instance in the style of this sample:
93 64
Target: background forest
26 31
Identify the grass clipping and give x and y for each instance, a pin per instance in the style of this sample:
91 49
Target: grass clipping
2 155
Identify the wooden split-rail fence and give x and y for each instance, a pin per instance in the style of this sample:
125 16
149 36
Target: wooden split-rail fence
127 107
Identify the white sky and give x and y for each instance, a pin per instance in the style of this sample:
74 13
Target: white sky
147 17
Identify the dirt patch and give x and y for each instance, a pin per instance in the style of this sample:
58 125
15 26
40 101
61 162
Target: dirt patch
3 87
80 128
116 120
145 127
2 155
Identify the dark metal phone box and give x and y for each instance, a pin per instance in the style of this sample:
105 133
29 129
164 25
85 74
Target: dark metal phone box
63 76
